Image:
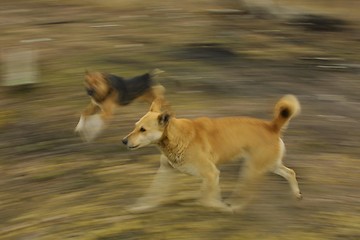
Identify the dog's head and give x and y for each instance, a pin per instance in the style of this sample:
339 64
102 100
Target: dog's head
149 129
96 85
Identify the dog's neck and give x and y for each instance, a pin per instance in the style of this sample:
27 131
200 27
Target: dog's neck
175 140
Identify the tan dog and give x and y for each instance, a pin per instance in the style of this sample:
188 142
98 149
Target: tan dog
197 146
108 91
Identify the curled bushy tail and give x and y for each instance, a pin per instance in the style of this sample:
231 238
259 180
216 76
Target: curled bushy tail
285 109
157 88
156 72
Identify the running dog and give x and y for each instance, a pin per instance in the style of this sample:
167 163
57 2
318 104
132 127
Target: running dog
197 146
108 91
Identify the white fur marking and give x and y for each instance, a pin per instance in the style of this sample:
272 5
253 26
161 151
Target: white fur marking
90 127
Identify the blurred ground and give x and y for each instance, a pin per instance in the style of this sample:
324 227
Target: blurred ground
53 186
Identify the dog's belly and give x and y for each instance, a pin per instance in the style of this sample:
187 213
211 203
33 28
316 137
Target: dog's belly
187 168
233 155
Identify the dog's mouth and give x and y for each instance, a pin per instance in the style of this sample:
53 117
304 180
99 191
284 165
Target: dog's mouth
133 147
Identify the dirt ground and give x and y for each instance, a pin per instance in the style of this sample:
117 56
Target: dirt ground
54 186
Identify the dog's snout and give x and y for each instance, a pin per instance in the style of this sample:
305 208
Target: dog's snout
90 91
125 141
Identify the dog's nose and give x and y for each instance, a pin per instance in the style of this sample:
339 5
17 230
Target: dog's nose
90 91
125 141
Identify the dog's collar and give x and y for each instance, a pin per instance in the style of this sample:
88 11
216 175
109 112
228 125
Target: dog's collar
173 152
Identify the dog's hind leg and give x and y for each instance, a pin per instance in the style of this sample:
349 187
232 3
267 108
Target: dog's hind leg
245 189
290 176
148 96
287 173
158 189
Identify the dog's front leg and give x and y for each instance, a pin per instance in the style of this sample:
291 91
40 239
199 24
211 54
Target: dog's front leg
91 109
158 189
88 111
107 110
210 189
211 192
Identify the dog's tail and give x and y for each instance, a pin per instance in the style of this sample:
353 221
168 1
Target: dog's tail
158 89
156 72
285 109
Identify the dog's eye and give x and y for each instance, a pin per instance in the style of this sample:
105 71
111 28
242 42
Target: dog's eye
142 129
90 91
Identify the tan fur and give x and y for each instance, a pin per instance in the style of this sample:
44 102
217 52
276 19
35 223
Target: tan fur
197 146
290 103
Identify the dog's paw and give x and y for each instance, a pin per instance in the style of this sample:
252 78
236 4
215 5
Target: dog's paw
89 127
79 127
299 196
238 208
216 205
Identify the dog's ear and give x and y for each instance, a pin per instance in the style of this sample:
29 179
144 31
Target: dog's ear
164 118
156 105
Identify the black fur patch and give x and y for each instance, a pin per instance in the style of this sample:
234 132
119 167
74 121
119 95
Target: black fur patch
285 112
129 89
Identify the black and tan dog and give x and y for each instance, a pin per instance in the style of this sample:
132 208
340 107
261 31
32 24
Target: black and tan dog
108 91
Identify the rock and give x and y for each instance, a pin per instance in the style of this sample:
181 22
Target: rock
20 67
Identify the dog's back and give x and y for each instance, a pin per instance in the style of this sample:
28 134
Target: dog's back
233 137
129 89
